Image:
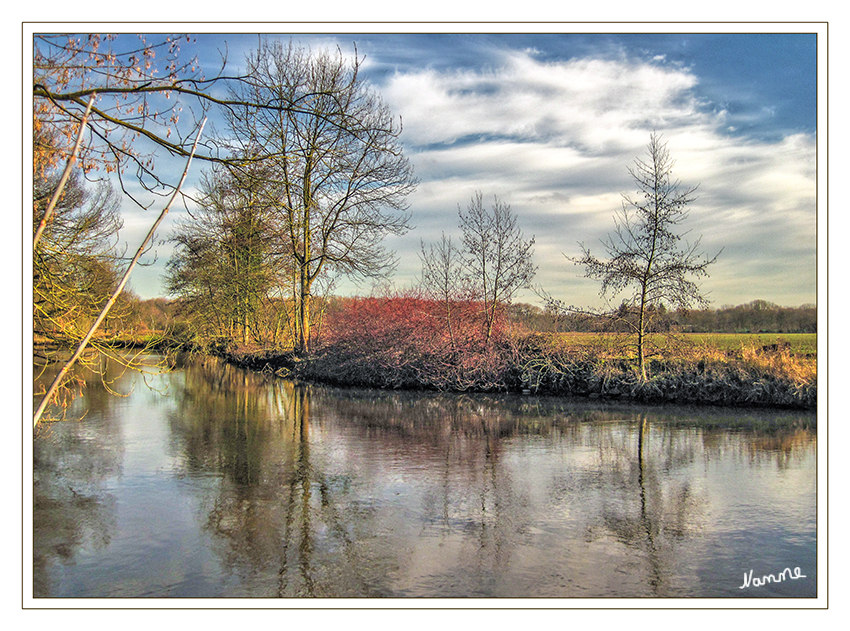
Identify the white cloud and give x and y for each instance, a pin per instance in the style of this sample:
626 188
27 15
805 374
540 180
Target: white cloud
600 103
554 139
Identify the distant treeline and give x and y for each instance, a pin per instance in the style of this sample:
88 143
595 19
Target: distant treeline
758 316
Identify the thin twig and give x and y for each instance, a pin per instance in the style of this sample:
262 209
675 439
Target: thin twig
118 289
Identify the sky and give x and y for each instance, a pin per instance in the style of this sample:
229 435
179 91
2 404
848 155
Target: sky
551 122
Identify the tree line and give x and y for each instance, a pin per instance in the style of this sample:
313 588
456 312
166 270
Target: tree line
757 316
300 186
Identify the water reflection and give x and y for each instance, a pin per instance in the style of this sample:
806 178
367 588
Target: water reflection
299 491
72 463
279 521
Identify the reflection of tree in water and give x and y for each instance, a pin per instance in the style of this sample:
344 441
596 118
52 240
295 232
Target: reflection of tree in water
448 450
72 462
321 523
644 505
641 494
285 526
651 505
328 492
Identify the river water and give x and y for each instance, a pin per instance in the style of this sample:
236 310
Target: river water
210 481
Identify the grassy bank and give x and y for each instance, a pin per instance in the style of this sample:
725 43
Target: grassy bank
771 370
797 344
772 374
704 375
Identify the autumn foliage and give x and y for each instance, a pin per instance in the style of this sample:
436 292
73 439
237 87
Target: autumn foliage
403 340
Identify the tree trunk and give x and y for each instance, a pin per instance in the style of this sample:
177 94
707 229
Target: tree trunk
304 263
641 339
490 318
304 316
449 324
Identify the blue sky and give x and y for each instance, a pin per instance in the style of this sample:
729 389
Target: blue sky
551 122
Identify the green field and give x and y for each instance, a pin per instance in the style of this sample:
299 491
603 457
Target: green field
802 344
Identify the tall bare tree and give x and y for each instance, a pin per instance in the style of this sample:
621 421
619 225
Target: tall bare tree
337 157
497 255
648 259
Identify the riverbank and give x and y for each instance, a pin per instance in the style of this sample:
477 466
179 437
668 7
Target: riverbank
535 365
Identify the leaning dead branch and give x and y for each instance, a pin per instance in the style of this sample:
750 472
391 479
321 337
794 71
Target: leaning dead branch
82 345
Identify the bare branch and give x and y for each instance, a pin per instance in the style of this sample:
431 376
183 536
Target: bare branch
81 347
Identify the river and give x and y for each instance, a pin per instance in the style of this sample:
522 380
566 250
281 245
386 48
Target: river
210 481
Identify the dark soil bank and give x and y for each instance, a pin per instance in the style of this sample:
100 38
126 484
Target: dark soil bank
708 382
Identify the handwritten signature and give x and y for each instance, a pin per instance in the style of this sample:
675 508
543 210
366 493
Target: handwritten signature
758 581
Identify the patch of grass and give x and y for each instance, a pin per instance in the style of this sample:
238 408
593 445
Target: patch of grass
805 344
800 343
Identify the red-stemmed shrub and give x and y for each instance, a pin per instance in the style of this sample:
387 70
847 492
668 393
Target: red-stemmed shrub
403 340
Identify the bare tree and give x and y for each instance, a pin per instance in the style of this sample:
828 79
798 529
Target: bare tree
106 106
444 279
647 259
497 255
337 157
223 268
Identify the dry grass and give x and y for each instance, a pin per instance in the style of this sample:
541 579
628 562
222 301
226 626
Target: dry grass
684 369
798 343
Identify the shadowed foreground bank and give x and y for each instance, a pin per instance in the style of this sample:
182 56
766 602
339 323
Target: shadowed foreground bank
541 364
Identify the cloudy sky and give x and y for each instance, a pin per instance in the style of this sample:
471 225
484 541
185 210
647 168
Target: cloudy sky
550 123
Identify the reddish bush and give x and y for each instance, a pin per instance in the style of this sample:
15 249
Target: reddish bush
404 340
